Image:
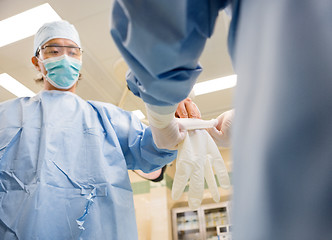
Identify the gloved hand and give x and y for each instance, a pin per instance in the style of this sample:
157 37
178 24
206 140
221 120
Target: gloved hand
166 131
197 155
221 133
168 137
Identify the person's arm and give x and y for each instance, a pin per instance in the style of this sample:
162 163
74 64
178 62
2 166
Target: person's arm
186 109
161 42
133 137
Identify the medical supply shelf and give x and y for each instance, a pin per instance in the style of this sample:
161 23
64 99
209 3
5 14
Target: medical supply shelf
199 224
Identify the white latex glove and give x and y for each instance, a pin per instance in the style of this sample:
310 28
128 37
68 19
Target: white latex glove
197 155
166 131
221 133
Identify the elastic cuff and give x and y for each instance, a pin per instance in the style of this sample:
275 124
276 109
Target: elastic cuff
159 120
163 110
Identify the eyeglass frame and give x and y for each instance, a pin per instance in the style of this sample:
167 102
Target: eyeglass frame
55 45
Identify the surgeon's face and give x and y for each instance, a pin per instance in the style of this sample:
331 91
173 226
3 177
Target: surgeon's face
54 48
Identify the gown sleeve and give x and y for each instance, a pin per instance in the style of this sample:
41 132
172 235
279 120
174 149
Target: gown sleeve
161 42
135 138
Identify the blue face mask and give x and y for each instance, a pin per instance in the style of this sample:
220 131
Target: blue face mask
63 71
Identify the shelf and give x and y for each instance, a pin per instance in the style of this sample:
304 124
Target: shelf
189 234
187 213
189 230
215 210
201 223
211 228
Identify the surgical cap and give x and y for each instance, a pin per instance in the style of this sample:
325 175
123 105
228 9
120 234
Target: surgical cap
57 29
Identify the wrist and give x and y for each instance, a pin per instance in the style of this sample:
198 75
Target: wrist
157 119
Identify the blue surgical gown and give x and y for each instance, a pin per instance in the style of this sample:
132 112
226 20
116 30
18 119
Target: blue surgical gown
282 132
63 168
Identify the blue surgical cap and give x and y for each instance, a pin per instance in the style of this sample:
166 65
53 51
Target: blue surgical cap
57 29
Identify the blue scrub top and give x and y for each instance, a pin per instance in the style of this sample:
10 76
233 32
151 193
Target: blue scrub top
63 168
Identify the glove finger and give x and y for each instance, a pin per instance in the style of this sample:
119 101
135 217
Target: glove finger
223 178
196 184
221 172
184 168
182 135
219 137
215 133
211 181
196 188
182 175
218 165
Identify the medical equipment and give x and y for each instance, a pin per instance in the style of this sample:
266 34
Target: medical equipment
224 232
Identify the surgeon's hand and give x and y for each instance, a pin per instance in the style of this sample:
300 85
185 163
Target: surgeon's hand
187 109
221 134
168 137
167 133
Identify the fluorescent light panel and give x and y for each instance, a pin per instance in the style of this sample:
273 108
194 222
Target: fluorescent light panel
26 24
139 114
14 86
215 85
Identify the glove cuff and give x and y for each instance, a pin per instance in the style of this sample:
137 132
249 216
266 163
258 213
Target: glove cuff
193 123
158 120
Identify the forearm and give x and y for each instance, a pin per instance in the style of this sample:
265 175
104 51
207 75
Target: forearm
162 46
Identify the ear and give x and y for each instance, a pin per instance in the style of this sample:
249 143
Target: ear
35 62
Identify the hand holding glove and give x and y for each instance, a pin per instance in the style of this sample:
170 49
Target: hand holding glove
221 133
166 131
187 109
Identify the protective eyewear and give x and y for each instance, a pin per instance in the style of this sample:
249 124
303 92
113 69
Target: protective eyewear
49 51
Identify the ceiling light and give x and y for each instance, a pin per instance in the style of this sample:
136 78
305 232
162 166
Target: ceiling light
139 114
14 86
26 24
215 85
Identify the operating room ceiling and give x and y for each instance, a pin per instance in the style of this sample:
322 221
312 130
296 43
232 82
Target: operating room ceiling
103 68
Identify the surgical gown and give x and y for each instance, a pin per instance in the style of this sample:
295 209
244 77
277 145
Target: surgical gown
63 168
282 133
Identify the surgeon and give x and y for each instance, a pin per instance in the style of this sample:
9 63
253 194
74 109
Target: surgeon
282 130
64 161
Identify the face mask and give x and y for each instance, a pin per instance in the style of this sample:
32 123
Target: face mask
63 71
